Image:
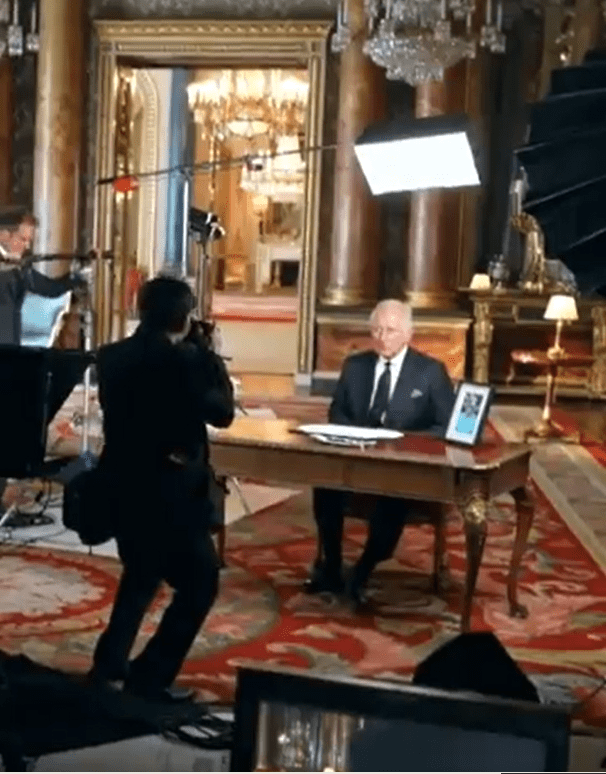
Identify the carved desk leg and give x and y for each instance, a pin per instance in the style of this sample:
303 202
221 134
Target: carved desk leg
474 507
525 514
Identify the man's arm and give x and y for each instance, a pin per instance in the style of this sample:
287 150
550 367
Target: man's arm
10 280
49 287
340 411
210 384
442 399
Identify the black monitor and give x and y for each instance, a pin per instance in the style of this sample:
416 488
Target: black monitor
288 719
34 384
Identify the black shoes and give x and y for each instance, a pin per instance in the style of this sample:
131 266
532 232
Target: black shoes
98 680
171 695
322 580
356 593
354 589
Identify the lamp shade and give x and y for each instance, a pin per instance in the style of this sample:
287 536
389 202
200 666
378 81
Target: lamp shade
480 282
561 308
433 152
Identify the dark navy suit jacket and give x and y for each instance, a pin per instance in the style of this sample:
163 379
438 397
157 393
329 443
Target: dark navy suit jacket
422 400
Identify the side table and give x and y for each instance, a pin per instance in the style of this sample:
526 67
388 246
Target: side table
550 362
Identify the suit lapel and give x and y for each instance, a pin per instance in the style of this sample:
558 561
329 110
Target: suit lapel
367 382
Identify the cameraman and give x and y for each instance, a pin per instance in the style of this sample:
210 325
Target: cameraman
18 276
157 389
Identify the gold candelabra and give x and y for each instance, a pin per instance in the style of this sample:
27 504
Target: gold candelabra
535 267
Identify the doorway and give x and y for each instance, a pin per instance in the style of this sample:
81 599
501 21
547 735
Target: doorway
229 134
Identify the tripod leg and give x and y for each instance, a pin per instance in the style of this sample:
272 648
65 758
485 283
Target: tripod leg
221 544
238 489
6 516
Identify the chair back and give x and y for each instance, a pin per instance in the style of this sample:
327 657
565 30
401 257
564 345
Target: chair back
41 318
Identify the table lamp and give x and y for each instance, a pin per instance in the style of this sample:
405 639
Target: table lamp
480 282
560 308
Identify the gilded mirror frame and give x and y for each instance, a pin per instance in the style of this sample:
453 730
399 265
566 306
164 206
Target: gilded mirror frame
210 44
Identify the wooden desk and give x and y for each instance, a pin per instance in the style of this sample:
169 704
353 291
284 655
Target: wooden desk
415 467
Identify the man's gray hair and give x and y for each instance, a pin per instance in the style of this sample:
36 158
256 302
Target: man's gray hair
403 310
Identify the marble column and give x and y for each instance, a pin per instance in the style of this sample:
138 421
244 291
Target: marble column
6 129
354 263
436 216
59 128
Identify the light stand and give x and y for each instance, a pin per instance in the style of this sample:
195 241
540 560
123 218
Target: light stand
207 228
186 201
203 279
86 328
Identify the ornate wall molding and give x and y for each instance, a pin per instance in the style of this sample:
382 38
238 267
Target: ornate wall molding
148 192
235 9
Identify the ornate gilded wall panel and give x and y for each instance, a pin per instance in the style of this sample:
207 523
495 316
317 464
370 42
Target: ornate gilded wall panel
441 337
213 9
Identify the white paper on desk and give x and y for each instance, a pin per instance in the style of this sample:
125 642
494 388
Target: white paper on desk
349 434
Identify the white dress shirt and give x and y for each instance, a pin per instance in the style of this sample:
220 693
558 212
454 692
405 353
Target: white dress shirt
394 368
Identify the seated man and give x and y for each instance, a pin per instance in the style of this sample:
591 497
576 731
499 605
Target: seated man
393 386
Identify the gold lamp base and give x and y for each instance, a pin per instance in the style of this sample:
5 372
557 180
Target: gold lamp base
548 430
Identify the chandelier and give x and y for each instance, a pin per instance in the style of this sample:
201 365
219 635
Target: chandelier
278 176
249 103
417 40
14 40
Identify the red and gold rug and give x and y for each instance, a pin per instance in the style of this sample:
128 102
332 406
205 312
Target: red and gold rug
54 605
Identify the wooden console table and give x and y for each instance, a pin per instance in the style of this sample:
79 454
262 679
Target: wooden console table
416 467
503 322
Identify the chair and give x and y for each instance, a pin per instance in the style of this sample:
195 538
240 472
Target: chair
41 318
426 513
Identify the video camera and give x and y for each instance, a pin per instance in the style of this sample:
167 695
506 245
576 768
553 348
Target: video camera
206 225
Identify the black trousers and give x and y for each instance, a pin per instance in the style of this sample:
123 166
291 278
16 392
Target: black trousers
386 522
189 564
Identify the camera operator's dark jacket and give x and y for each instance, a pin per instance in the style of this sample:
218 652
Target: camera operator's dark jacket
14 283
156 398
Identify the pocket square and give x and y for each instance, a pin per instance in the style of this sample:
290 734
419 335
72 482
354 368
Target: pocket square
416 393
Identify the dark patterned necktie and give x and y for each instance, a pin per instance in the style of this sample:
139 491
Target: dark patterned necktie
381 399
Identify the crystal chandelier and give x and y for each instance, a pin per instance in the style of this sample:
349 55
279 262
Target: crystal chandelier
417 40
249 103
14 40
279 176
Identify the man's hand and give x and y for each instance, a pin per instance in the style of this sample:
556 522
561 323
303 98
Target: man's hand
79 286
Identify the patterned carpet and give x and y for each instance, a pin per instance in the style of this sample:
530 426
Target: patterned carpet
54 603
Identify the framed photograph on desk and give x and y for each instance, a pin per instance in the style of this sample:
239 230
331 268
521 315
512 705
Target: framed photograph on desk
469 413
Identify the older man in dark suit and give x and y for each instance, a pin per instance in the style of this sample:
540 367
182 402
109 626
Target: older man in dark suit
392 386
